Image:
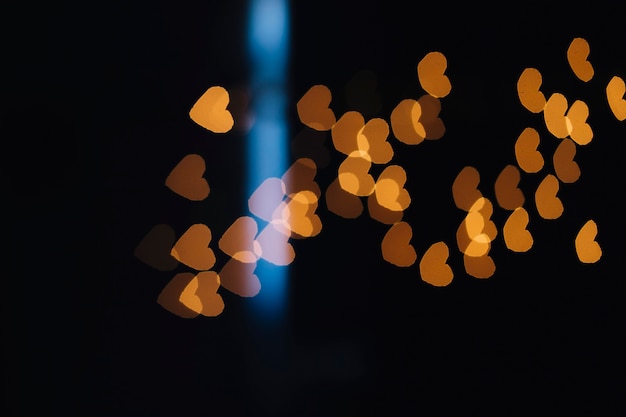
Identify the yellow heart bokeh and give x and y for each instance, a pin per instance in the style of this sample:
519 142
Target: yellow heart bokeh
170 296
372 141
200 294
431 74
192 248
345 132
577 54
429 121
587 249
275 246
186 179
210 110
296 216
554 114
354 176
565 168
239 278
389 188
516 236
615 90
479 267
404 122
508 193
465 188
579 130
341 202
188 295
548 204
313 108
527 155
238 241
433 265
528 91
382 214
396 245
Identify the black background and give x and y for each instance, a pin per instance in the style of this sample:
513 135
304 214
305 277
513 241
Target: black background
95 105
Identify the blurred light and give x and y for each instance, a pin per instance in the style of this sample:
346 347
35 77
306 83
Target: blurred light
268 36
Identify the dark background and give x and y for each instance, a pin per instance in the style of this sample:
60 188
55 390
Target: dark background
95 103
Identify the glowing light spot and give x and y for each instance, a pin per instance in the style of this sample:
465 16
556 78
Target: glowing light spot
431 74
268 195
463 238
349 182
186 179
155 247
188 295
587 249
528 157
372 139
210 110
301 177
404 122
484 207
472 240
306 197
341 202
474 224
192 248
516 236
580 131
508 194
433 265
429 120
313 108
528 91
382 214
577 54
615 90
275 246
344 133
363 146
479 267
170 296
566 169
298 217
388 192
354 176
239 278
396 245
548 204
212 302
238 241
201 296
389 189
464 188
478 246
554 116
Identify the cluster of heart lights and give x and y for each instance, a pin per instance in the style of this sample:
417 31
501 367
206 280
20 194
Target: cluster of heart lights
285 208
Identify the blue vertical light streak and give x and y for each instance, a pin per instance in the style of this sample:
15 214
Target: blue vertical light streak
268 49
